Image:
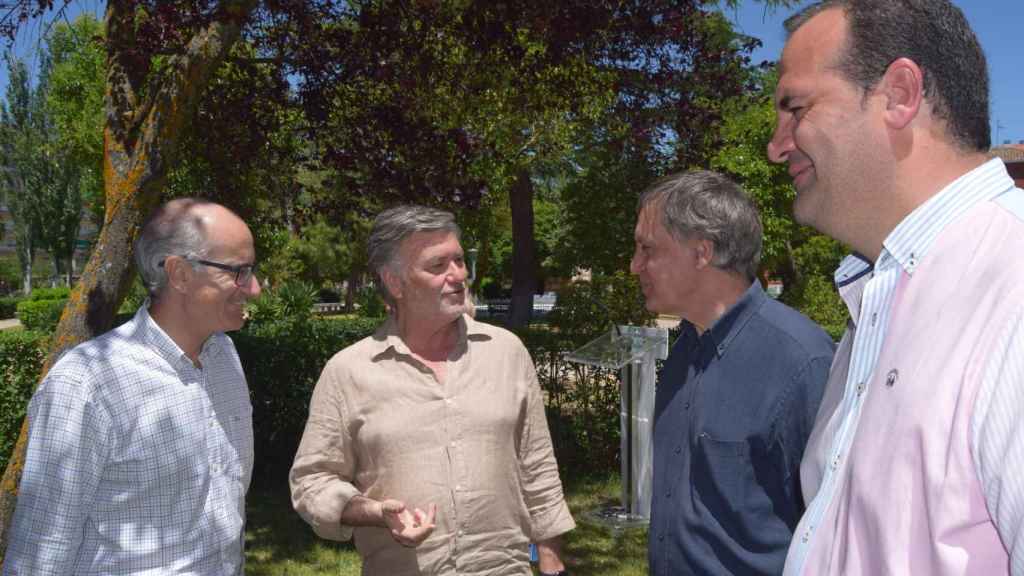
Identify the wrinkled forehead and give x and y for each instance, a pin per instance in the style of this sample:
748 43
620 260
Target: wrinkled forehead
420 245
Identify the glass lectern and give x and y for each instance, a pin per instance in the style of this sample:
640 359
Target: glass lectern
634 351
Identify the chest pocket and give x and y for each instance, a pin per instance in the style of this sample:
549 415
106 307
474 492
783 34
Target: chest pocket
732 479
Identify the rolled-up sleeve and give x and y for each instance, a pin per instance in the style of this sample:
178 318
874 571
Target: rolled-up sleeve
321 475
542 487
68 446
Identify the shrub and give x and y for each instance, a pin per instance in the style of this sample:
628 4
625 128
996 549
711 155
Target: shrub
58 293
9 306
21 359
582 403
370 304
282 362
586 309
297 300
40 315
822 304
263 310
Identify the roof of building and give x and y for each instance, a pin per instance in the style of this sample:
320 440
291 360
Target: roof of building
1008 152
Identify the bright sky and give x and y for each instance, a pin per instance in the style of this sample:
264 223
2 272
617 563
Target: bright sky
996 22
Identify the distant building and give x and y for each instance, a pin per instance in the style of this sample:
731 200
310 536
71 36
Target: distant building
1013 156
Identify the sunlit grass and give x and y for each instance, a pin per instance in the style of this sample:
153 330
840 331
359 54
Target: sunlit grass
279 543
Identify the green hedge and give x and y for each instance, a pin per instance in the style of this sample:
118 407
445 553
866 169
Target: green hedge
9 306
59 293
40 315
282 362
21 358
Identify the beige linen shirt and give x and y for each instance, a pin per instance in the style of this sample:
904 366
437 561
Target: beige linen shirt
477 446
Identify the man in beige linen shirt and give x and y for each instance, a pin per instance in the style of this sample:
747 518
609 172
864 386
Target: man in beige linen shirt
428 440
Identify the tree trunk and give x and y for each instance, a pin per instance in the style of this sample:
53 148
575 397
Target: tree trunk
352 285
26 268
524 281
140 145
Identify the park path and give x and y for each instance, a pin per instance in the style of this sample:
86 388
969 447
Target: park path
10 323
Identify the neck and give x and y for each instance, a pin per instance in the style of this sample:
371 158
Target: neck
169 315
431 341
720 293
917 179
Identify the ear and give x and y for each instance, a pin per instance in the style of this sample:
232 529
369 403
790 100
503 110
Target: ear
903 88
179 273
392 282
705 250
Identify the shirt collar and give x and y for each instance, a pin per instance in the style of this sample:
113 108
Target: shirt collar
908 243
387 338
151 333
729 325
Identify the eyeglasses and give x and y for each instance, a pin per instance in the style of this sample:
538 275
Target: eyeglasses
243 272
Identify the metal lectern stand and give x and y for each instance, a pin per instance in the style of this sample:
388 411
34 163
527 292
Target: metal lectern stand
633 350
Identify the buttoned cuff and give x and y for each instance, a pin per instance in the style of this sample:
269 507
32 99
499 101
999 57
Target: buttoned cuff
552 522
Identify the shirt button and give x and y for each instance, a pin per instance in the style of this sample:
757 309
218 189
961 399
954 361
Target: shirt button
661 537
449 401
462 532
679 449
458 487
668 494
860 388
874 318
453 443
686 406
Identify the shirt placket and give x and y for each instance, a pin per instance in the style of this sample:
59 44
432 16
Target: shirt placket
453 426
216 461
867 345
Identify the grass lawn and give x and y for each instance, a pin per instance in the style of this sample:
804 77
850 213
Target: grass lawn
279 543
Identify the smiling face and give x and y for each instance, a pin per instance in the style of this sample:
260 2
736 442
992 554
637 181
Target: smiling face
829 132
215 303
668 269
431 287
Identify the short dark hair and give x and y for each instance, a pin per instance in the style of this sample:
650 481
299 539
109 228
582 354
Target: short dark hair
710 206
937 37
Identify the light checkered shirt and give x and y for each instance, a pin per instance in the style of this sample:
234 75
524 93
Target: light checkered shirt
138 461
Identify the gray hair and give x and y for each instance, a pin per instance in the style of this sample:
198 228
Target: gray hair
394 225
173 229
710 206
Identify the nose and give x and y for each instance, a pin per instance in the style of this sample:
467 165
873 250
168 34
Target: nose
635 265
781 143
458 271
253 288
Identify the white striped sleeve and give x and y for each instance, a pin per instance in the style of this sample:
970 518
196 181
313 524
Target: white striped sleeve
997 439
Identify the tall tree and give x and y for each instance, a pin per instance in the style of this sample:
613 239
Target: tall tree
75 102
20 141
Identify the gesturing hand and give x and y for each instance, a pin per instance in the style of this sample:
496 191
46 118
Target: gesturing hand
408 528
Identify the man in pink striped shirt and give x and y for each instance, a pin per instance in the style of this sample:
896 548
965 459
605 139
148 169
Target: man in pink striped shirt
913 466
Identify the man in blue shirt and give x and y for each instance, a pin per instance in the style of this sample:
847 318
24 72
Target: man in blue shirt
738 394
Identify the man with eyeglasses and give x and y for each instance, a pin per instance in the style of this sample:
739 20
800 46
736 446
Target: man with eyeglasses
140 441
